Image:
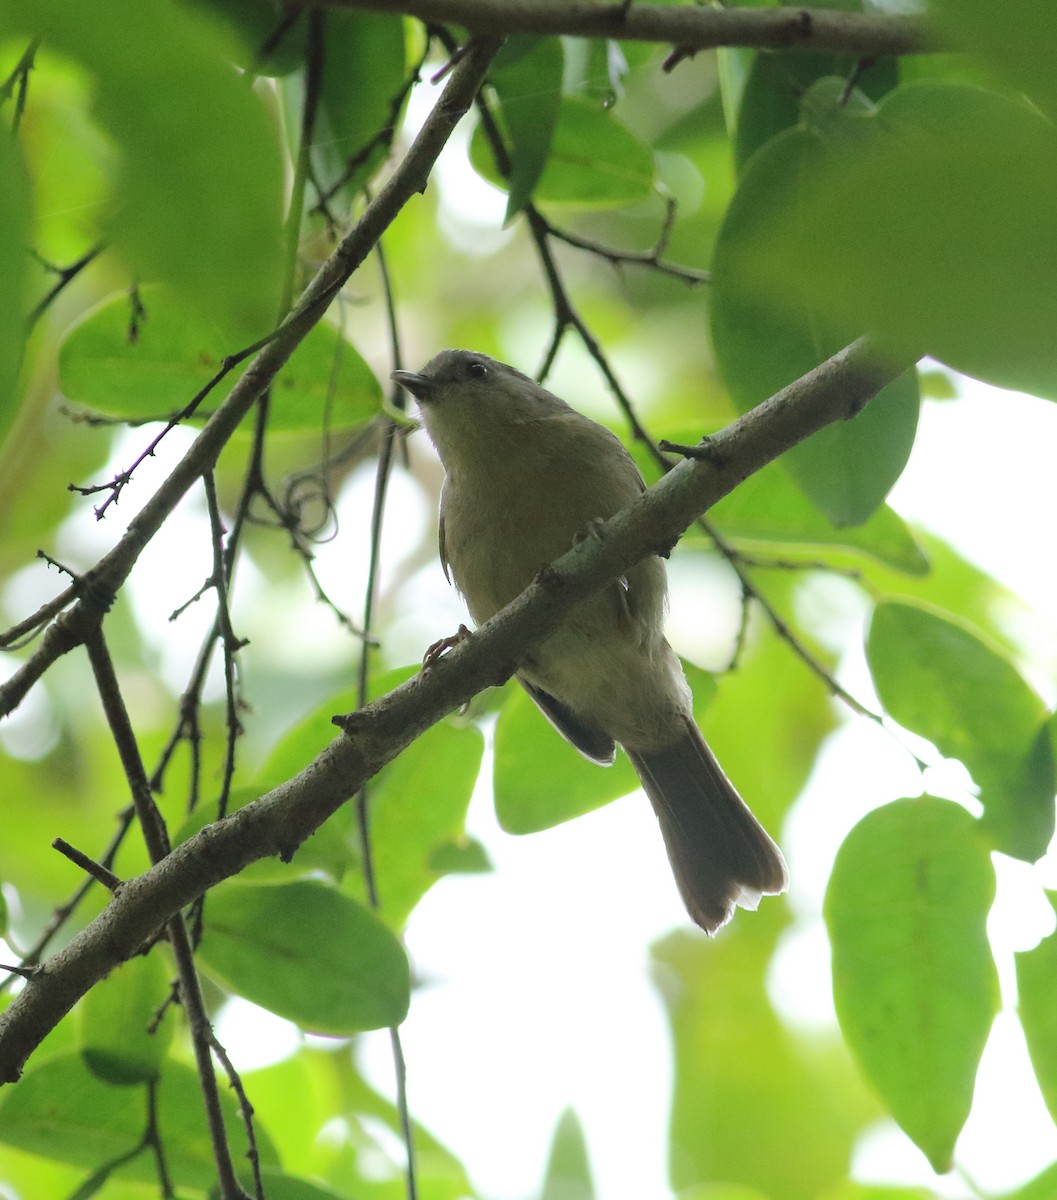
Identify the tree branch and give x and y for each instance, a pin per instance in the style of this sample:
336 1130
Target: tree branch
278 822
690 27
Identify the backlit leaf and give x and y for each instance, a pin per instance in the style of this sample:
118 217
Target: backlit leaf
914 982
937 678
308 953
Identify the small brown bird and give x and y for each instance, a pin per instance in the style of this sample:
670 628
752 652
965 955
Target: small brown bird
525 476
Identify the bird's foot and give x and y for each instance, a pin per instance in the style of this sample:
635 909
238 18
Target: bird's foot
439 648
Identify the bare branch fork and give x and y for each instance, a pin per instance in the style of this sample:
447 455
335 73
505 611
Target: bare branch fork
278 822
690 27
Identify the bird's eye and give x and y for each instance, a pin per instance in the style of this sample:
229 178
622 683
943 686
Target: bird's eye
477 369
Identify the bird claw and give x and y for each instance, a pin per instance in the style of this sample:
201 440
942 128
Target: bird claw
441 647
593 530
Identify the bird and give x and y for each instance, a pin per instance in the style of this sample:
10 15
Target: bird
526 476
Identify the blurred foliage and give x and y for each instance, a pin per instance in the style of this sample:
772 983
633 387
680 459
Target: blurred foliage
825 197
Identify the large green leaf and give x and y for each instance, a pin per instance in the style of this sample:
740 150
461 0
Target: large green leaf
175 353
540 780
255 24
940 680
1036 989
739 1070
61 1111
775 83
417 809
197 199
1042 1187
118 1041
914 982
527 76
1020 50
594 160
417 804
568 1173
363 80
767 508
914 232
308 953
848 468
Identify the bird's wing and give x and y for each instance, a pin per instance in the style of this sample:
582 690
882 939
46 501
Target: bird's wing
592 743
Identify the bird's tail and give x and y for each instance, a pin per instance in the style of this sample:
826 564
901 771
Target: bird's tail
720 854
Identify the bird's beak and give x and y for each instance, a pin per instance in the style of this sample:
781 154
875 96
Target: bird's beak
422 387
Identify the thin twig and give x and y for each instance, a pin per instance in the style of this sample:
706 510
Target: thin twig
381 486
120 481
157 840
154 1141
652 258
66 276
18 971
383 138
229 644
19 79
90 867
247 1111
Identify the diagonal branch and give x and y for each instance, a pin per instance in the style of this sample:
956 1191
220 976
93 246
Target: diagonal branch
99 585
691 27
278 822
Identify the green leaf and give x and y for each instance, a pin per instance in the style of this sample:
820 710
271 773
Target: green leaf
1042 1187
721 1191
1018 50
176 353
116 1016
914 982
740 1070
61 1111
568 1173
767 508
362 93
775 85
594 160
301 1093
287 1187
14 244
1036 988
595 69
308 953
466 856
867 1191
255 24
198 189
848 468
417 808
417 803
540 780
913 232
527 76
938 678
